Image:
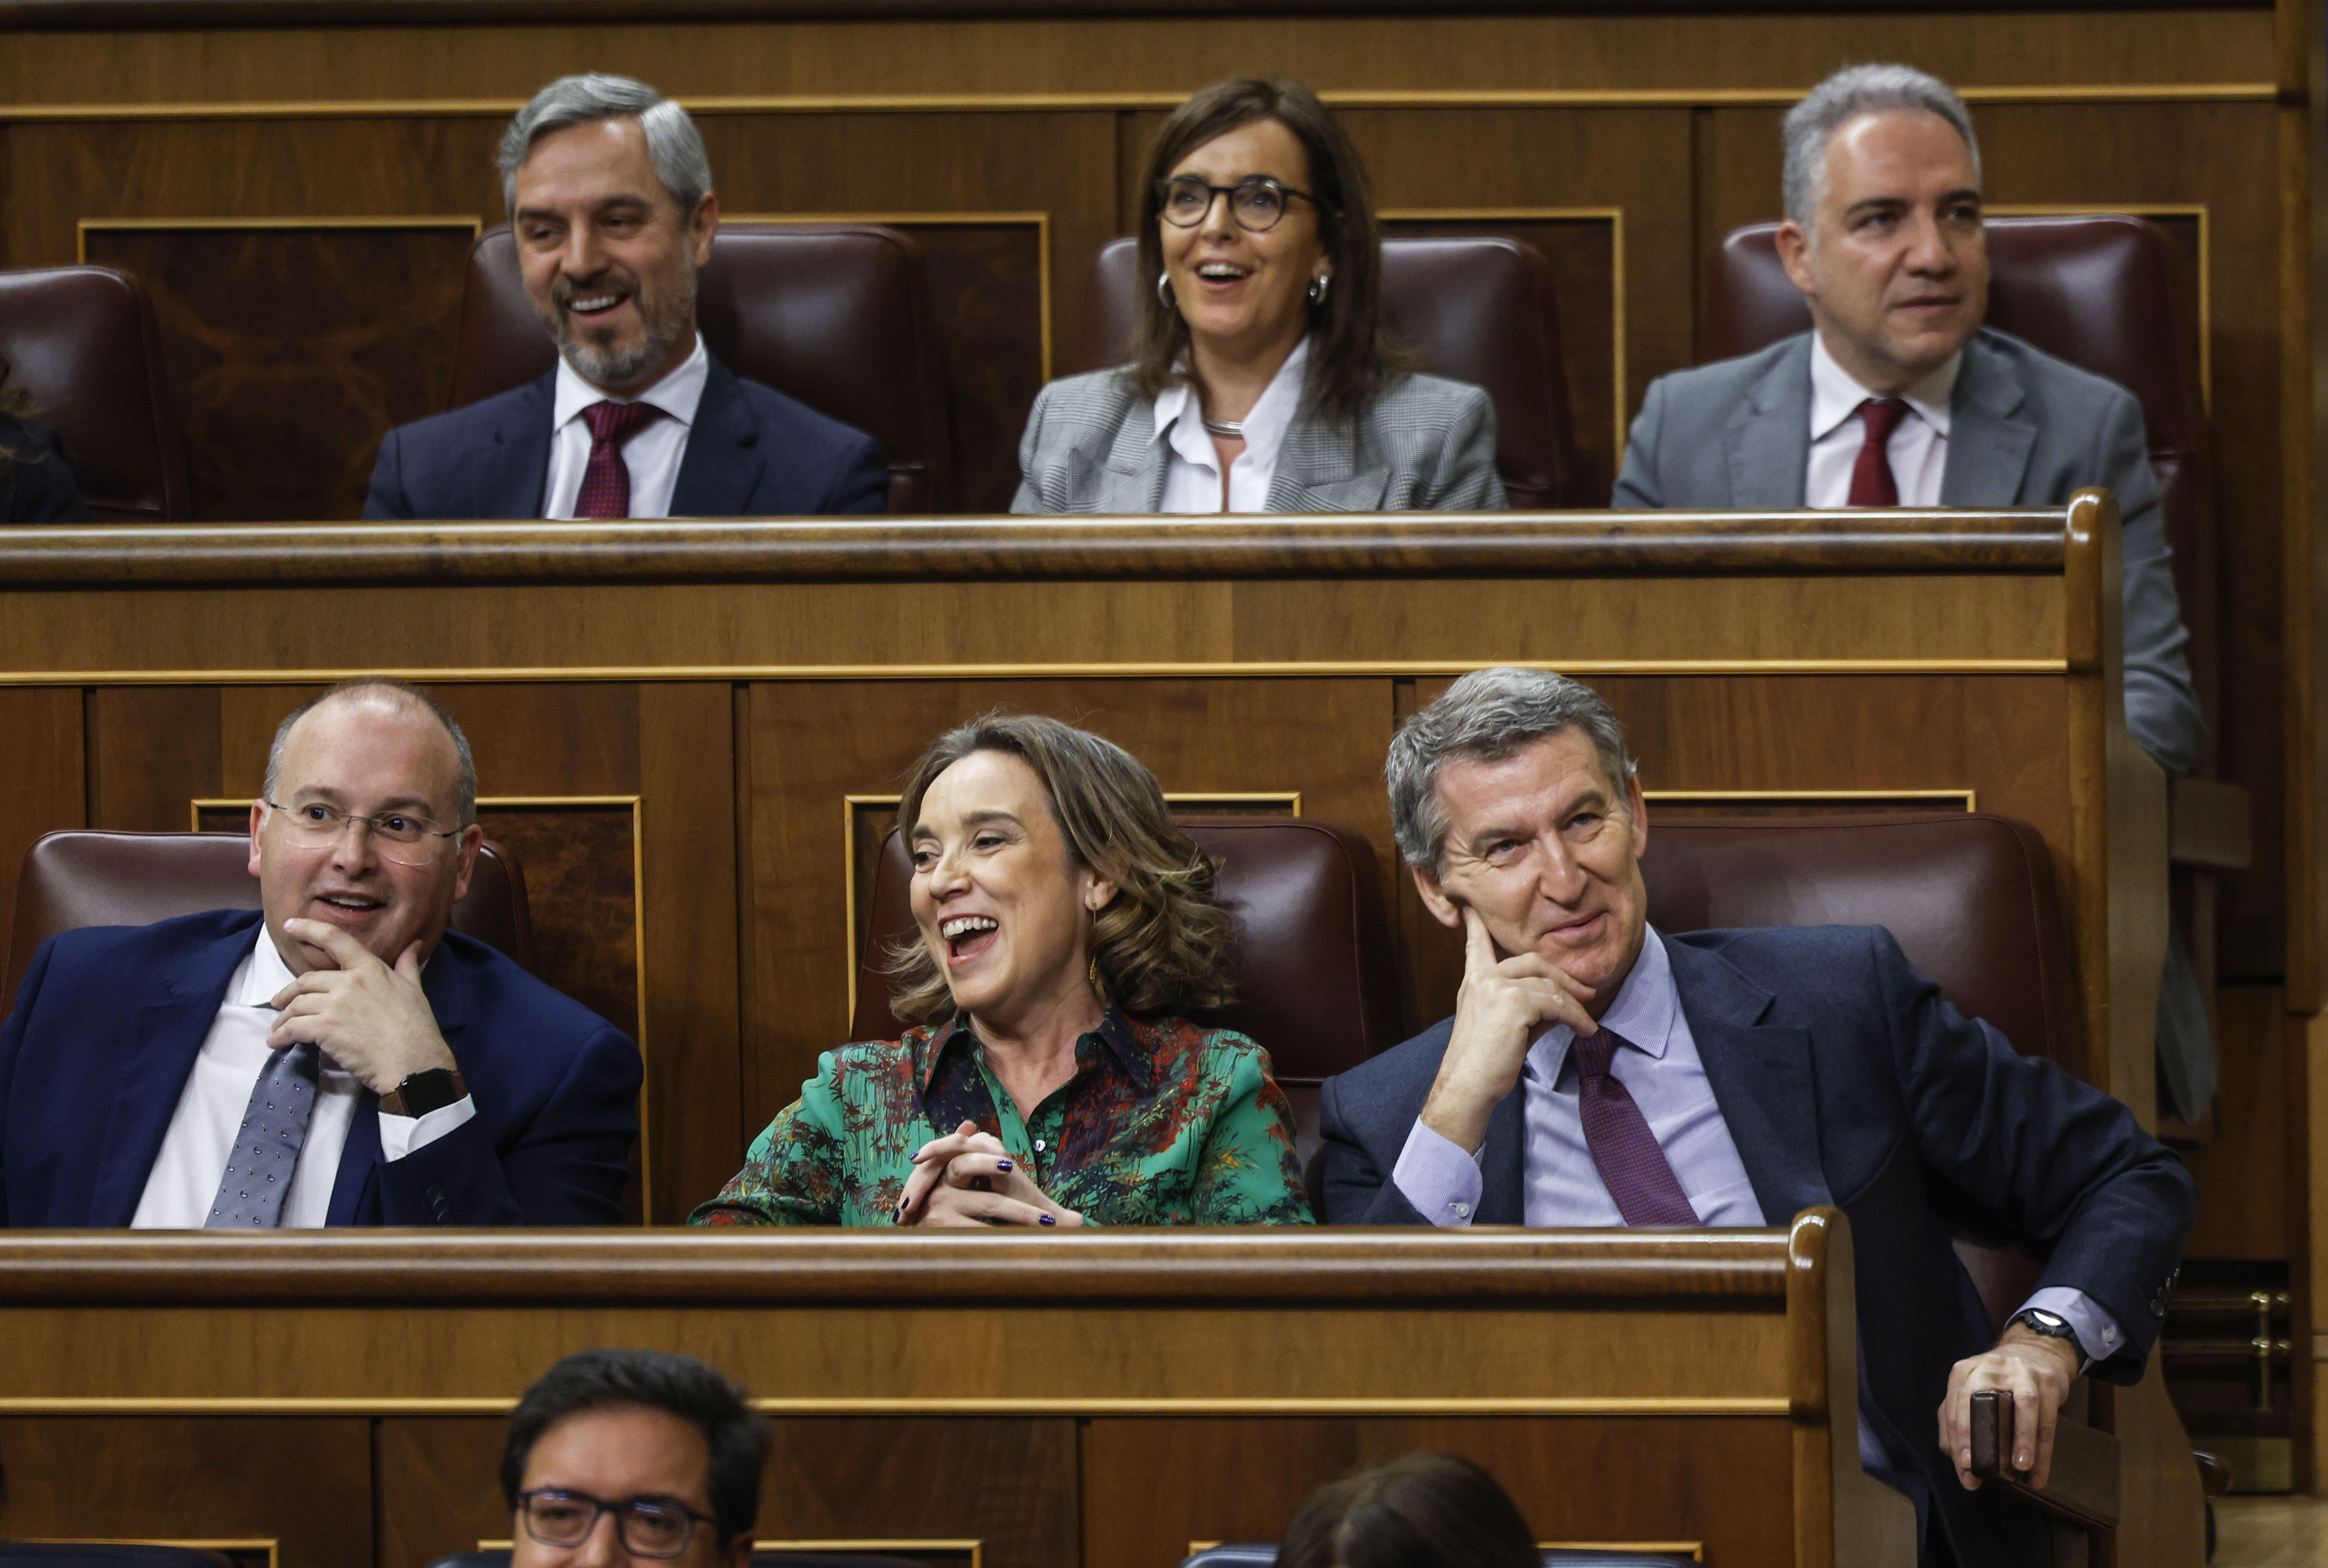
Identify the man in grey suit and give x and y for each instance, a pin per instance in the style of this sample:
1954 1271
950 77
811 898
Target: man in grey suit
1900 396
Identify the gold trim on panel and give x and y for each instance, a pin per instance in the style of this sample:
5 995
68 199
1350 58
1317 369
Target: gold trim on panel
1259 669
1950 799
1696 1549
270 1545
89 226
849 804
1613 216
1115 102
638 944
1041 221
2149 210
1550 1404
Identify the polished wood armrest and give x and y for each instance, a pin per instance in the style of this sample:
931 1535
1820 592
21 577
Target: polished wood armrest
2208 824
2083 1488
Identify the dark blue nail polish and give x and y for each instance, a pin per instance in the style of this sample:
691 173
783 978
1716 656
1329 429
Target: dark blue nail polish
1049 1220
1001 1165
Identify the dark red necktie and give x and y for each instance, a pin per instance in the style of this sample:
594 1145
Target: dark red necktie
606 482
1872 483
1632 1166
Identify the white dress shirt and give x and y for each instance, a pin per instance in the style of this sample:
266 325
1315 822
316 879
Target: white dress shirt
185 1181
653 455
1192 466
1918 447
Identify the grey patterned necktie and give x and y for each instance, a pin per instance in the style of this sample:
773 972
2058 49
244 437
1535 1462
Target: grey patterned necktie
267 1147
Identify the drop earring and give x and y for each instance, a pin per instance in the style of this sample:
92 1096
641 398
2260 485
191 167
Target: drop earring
1318 286
1164 288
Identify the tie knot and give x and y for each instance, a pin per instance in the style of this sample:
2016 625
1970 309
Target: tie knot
615 423
1882 416
1594 1052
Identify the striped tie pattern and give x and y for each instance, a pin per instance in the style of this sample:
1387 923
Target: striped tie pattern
1632 1166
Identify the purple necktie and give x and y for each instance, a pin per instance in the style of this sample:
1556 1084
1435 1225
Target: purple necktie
606 479
1632 1166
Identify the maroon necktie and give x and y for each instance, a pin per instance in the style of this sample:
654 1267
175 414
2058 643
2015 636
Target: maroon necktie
1872 483
606 482
1632 1166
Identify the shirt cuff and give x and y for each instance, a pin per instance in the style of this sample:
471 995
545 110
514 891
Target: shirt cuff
1438 1179
2097 1331
400 1135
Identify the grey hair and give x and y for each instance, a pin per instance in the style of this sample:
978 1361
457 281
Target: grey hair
1853 91
397 694
673 143
1486 715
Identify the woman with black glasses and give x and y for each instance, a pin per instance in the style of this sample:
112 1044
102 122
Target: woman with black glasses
1261 379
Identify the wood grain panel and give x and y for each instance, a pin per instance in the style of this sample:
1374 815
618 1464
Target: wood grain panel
151 750
1325 739
47 793
1154 1486
289 353
2244 1197
304 1484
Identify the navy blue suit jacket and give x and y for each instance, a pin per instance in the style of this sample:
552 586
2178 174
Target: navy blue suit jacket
752 451
1845 1079
109 1019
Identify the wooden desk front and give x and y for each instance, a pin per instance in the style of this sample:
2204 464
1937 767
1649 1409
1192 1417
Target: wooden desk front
339 1401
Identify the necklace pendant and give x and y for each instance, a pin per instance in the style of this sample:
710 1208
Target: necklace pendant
1233 430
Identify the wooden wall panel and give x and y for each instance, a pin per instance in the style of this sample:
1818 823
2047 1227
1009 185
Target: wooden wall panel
152 749
47 780
1325 739
1152 1485
302 1486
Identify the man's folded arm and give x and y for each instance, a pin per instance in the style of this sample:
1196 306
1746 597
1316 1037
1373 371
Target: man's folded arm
1356 1192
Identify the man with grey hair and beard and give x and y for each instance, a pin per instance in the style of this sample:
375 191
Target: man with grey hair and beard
1898 396
610 199
1598 1071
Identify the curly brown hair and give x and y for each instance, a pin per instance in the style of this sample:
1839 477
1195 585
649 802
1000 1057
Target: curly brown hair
1162 942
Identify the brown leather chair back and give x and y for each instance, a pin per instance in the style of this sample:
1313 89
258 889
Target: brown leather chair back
1479 308
1314 977
81 341
84 878
833 314
2100 291
1970 898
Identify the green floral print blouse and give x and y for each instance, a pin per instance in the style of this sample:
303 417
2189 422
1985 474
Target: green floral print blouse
1163 1123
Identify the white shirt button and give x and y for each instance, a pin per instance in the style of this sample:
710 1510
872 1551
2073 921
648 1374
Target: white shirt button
1038 1146
2109 1336
1462 1210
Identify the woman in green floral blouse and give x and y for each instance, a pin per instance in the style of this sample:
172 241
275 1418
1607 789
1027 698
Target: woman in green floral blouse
1066 924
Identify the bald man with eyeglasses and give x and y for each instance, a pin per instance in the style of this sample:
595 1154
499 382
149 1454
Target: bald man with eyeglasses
337 1057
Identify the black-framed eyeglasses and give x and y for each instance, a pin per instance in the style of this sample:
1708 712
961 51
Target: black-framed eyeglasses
1256 204
649 1527
399 835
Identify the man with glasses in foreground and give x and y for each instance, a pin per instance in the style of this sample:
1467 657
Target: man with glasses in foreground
629 1456
337 1057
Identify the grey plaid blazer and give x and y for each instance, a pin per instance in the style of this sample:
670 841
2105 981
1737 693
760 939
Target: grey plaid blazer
1427 445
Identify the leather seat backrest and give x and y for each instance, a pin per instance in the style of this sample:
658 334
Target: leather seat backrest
2098 290
86 877
833 314
1479 308
81 341
1313 965
1970 898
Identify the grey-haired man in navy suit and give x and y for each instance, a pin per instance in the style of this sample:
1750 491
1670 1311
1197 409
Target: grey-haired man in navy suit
1598 1072
610 199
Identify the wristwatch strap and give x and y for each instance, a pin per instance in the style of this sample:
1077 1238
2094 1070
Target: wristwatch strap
422 1092
2053 1326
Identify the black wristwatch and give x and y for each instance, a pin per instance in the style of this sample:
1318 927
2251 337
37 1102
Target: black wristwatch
422 1092
2053 1326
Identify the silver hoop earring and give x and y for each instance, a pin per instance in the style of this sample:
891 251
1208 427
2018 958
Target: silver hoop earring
1318 286
1164 288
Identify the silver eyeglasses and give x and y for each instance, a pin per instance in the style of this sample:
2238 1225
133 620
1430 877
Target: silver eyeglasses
398 836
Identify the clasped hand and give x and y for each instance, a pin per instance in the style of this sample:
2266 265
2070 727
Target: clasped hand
1502 1005
374 1021
2037 1370
968 1178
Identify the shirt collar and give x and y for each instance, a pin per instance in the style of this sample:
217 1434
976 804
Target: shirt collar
1835 396
677 394
1642 1015
264 974
1116 1033
1264 426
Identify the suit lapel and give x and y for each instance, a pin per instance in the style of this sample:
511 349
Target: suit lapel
1760 1074
511 484
720 472
1318 470
1130 479
1988 448
1502 1185
1769 440
168 1033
